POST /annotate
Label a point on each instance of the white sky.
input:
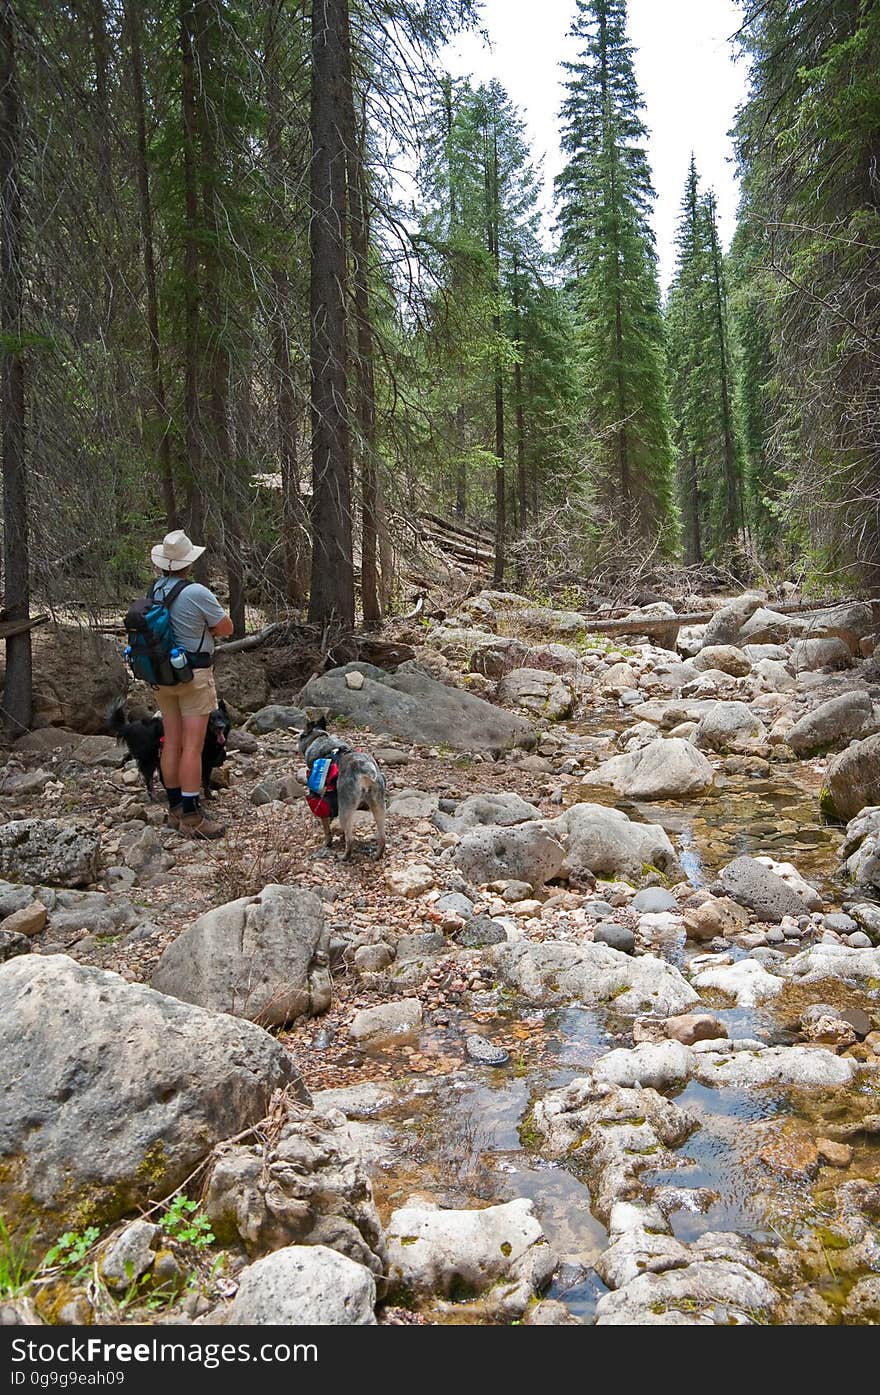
(686, 71)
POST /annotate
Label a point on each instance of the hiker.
(197, 618)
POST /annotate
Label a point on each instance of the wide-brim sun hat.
(174, 552)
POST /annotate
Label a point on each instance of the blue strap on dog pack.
(318, 773)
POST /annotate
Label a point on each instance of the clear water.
(462, 1137)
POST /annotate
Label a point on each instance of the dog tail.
(117, 718)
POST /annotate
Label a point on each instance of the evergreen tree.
(607, 246)
(808, 141)
(706, 436)
(479, 227)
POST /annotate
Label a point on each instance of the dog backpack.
(322, 798)
(151, 638)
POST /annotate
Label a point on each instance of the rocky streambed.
(598, 1042)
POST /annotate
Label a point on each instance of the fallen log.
(460, 528)
(8, 628)
(460, 551)
(236, 646)
(648, 625)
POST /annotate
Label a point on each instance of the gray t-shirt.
(194, 610)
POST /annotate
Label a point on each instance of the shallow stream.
(463, 1139)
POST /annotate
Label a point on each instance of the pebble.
(599, 909)
(615, 936)
(858, 940)
(842, 924)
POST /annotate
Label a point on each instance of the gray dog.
(358, 783)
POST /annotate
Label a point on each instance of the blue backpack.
(151, 638)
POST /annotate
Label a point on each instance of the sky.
(687, 73)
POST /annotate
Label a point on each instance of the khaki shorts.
(195, 699)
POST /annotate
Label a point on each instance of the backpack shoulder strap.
(171, 596)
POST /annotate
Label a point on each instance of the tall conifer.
(608, 247)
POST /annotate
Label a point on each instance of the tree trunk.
(521, 486)
(18, 695)
(293, 518)
(366, 401)
(191, 290)
(461, 464)
(693, 547)
(163, 420)
(731, 481)
(332, 581)
(359, 235)
(492, 229)
(386, 555)
(224, 475)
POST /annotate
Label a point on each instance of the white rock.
(304, 1285)
(746, 981)
(412, 880)
(434, 1251)
(401, 1017)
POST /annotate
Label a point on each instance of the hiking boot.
(173, 816)
(198, 825)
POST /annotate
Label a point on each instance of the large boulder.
(544, 622)
(604, 841)
(730, 727)
(305, 1184)
(304, 1286)
(727, 622)
(78, 673)
(706, 1292)
(595, 975)
(115, 1093)
(526, 852)
(539, 691)
(749, 883)
(769, 627)
(832, 724)
(262, 957)
(480, 810)
(850, 622)
(241, 680)
(772, 676)
(819, 962)
(861, 848)
(726, 657)
(664, 769)
(808, 654)
(276, 718)
(433, 1251)
(46, 850)
(462, 643)
(852, 779)
(664, 638)
(413, 707)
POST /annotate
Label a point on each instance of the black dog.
(143, 740)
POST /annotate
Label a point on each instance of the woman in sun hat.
(197, 617)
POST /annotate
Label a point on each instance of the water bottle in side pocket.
(181, 666)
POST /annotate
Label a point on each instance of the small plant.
(17, 1267)
(183, 1220)
(70, 1250)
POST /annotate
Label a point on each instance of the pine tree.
(808, 143)
(18, 696)
(480, 225)
(708, 451)
(607, 246)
